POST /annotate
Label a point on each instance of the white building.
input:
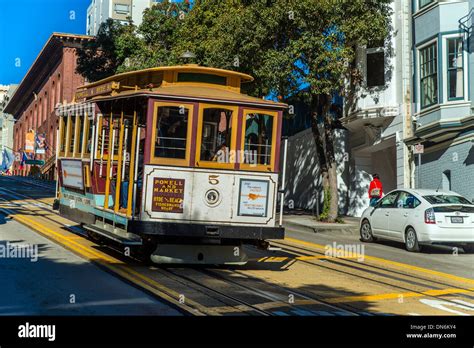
(101, 10)
(6, 120)
(380, 118)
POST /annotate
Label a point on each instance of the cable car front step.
(117, 235)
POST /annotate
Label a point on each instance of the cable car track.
(421, 293)
(238, 302)
(199, 286)
(309, 252)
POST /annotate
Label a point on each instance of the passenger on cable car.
(222, 154)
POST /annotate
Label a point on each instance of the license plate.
(457, 219)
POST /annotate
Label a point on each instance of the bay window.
(428, 76)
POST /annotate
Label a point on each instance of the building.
(377, 119)
(6, 120)
(378, 115)
(52, 79)
(443, 94)
(100, 10)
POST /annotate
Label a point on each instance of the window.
(375, 64)
(388, 201)
(407, 201)
(79, 135)
(122, 8)
(216, 135)
(202, 78)
(446, 199)
(428, 76)
(72, 130)
(423, 3)
(171, 132)
(62, 135)
(53, 97)
(258, 138)
(446, 180)
(89, 130)
(455, 69)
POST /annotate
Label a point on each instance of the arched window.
(58, 91)
(35, 114)
(446, 180)
(40, 110)
(53, 96)
(45, 111)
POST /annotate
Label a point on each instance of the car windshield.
(446, 199)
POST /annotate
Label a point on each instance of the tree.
(100, 57)
(158, 36)
(292, 47)
(303, 48)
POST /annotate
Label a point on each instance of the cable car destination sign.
(168, 195)
(90, 92)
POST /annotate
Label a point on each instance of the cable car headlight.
(212, 197)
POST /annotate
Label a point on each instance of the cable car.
(173, 164)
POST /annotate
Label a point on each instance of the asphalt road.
(437, 258)
(389, 281)
(60, 283)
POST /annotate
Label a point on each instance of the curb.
(344, 229)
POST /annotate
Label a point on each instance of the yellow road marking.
(389, 262)
(118, 268)
(303, 258)
(390, 296)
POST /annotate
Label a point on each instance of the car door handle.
(387, 214)
(405, 215)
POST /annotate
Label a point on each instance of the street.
(300, 276)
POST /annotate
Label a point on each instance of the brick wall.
(459, 159)
(40, 115)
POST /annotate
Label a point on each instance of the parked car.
(419, 217)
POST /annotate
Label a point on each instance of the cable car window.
(80, 135)
(258, 138)
(216, 134)
(202, 78)
(62, 134)
(89, 128)
(171, 132)
(103, 137)
(72, 134)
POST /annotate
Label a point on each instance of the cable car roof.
(195, 93)
(182, 82)
(176, 68)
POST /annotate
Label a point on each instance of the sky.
(26, 25)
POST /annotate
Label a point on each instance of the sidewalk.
(47, 184)
(308, 223)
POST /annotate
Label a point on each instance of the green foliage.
(284, 44)
(99, 58)
(157, 37)
(326, 205)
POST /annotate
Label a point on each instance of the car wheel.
(366, 232)
(469, 248)
(411, 240)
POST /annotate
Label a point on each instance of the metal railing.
(465, 23)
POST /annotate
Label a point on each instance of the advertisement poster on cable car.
(71, 171)
(168, 195)
(253, 198)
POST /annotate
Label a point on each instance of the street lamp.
(188, 56)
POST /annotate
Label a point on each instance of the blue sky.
(26, 25)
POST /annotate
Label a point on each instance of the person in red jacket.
(375, 190)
